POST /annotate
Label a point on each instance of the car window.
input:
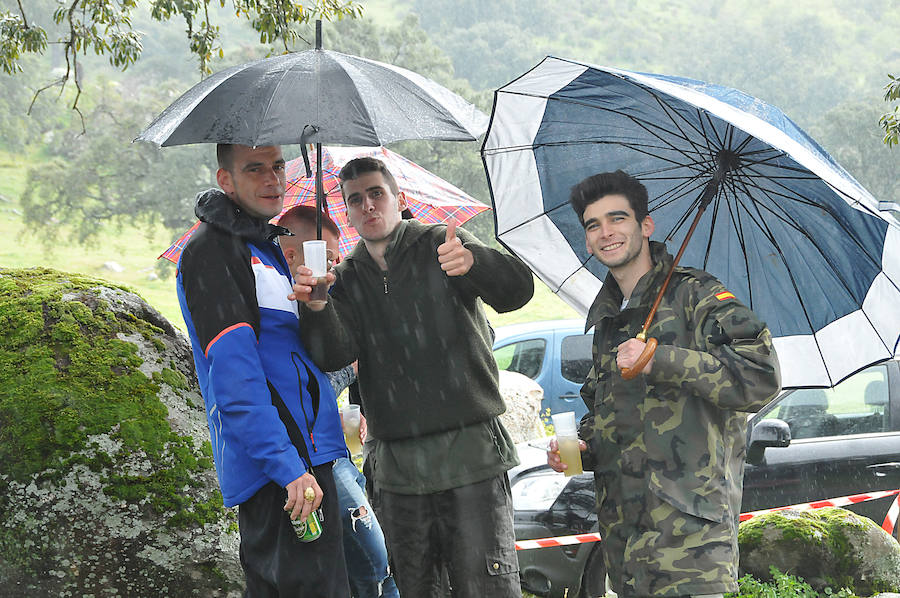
(858, 405)
(524, 357)
(576, 357)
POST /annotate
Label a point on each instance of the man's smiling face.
(612, 233)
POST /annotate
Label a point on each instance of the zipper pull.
(385, 284)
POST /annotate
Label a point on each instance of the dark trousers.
(276, 563)
(467, 531)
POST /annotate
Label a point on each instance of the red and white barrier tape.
(832, 502)
(557, 541)
(890, 521)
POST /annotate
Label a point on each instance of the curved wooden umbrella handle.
(644, 358)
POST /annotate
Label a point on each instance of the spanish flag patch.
(724, 295)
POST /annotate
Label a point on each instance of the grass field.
(136, 252)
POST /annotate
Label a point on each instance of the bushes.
(783, 586)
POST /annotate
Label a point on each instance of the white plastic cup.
(567, 439)
(350, 421)
(315, 257)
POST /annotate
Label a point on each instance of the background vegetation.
(75, 194)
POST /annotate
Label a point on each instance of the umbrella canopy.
(788, 230)
(315, 96)
(431, 199)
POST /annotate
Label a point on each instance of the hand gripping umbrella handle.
(644, 358)
(708, 193)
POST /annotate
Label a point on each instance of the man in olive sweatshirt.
(406, 303)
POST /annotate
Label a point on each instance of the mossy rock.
(107, 485)
(827, 547)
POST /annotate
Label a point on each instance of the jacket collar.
(403, 236)
(609, 299)
(216, 209)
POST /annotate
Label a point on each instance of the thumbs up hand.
(454, 259)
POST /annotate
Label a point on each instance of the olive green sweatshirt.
(421, 337)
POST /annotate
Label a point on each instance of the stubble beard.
(633, 251)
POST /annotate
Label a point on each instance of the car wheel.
(593, 580)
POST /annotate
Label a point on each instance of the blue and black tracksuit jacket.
(263, 394)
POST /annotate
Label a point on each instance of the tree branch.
(24, 18)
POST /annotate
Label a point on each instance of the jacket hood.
(216, 209)
(609, 299)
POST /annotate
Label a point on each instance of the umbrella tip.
(318, 34)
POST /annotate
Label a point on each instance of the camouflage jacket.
(680, 431)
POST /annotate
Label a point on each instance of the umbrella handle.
(645, 356)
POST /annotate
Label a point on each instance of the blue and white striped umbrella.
(789, 231)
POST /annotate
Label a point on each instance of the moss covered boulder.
(107, 485)
(828, 547)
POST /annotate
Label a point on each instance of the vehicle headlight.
(538, 491)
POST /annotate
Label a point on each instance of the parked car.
(806, 445)
(556, 354)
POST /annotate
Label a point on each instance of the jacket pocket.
(501, 562)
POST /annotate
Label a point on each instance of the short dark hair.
(609, 183)
(359, 166)
(308, 214)
(225, 155)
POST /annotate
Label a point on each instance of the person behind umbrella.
(364, 549)
(407, 304)
(272, 415)
(667, 447)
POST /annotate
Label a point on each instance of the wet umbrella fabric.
(789, 232)
(315, 96)
(431, 199)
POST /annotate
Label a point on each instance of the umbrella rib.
(783, 216)
(674, 194)
(566, 279)
(791, 222)
(734, 212)
(686, 214)
(672, 113)
(837, 274)
(712, 232)
(799, 169)
(767, 232)
(673, 116)
(649, 127)
(703, 119)
(813, 177)
(637, 147)
(567, 100)
(533, 218)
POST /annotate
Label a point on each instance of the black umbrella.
(316, 96)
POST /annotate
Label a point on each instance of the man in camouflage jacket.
(667, 447)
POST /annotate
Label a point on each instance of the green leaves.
(17, 37)
(890, 121)
(105, 28)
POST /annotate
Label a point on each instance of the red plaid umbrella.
(431, 199)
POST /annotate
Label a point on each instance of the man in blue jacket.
(272, 415)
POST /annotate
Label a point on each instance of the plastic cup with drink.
(567, 438)
(315, 257)
(350, 421)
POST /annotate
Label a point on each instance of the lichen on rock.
(107, 485)
(827, 547)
